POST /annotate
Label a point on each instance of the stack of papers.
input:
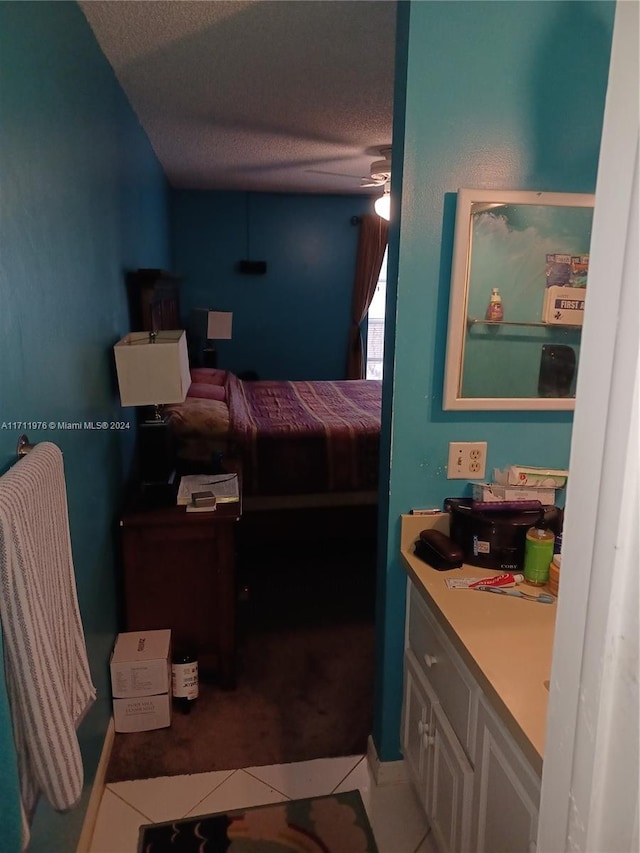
(223, 486)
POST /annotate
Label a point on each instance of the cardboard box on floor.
(141, 681)
(142, 714)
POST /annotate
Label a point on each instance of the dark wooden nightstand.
(179, 573)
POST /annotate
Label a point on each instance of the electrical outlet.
(467, 460)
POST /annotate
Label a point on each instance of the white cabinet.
(449, 797)
(417, 719)
(439, 768)
(507, 792)
(476, 788)
(443, 669)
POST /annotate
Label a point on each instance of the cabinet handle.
(430, 660)
(428, 740)
(421, 727)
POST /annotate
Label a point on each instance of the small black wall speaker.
(252, 267)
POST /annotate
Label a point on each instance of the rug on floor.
(336, 823)
(303, 693)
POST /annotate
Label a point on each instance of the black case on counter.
(438, 550)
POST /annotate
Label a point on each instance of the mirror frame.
(457, 325)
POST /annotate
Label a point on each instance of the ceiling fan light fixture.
(382, 205)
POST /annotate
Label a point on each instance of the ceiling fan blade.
(336, 174)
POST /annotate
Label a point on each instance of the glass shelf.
(474, 321)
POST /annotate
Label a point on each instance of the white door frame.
(589, 798)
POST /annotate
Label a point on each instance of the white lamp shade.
(382, 206)
(152, 374)
(219, 325)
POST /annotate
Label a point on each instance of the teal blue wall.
(495, 94)
(292, 322)
(82, 200)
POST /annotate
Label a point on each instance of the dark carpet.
(336, 823)
(305, 675)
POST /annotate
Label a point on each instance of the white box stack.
(521, 483)
(141, 681)
(494, 492)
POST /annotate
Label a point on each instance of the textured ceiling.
(258, 95)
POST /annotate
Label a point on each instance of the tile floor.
(396, 818)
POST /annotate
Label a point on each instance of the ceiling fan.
(379, 171)
(381, 177)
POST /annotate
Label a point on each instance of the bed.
(301, 443)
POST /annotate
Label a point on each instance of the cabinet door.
(451, 789)
(417, 718)
(507, 792)
(181, 576)
(444, 671)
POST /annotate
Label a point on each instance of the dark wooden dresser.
(154, 300)
(179, 573)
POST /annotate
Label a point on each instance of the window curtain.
(374, 234)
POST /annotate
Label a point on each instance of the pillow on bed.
(210, 375)
(205, 391)
(196, 416)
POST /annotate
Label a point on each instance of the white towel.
(47, 671)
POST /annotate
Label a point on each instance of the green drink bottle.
(538, 553)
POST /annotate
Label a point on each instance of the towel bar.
(24, 446)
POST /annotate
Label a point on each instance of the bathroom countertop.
(505, 641)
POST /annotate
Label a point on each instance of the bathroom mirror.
(518, 289)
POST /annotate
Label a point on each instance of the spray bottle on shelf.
(494, 308)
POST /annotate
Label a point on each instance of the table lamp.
(153, 370)
(205, 327)
(218, 329)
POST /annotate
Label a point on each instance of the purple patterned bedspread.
(306, 437)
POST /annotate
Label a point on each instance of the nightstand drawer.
(453, 684)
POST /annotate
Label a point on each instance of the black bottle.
(184, 679)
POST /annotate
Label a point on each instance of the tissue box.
(523, 475)
(492, 492)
